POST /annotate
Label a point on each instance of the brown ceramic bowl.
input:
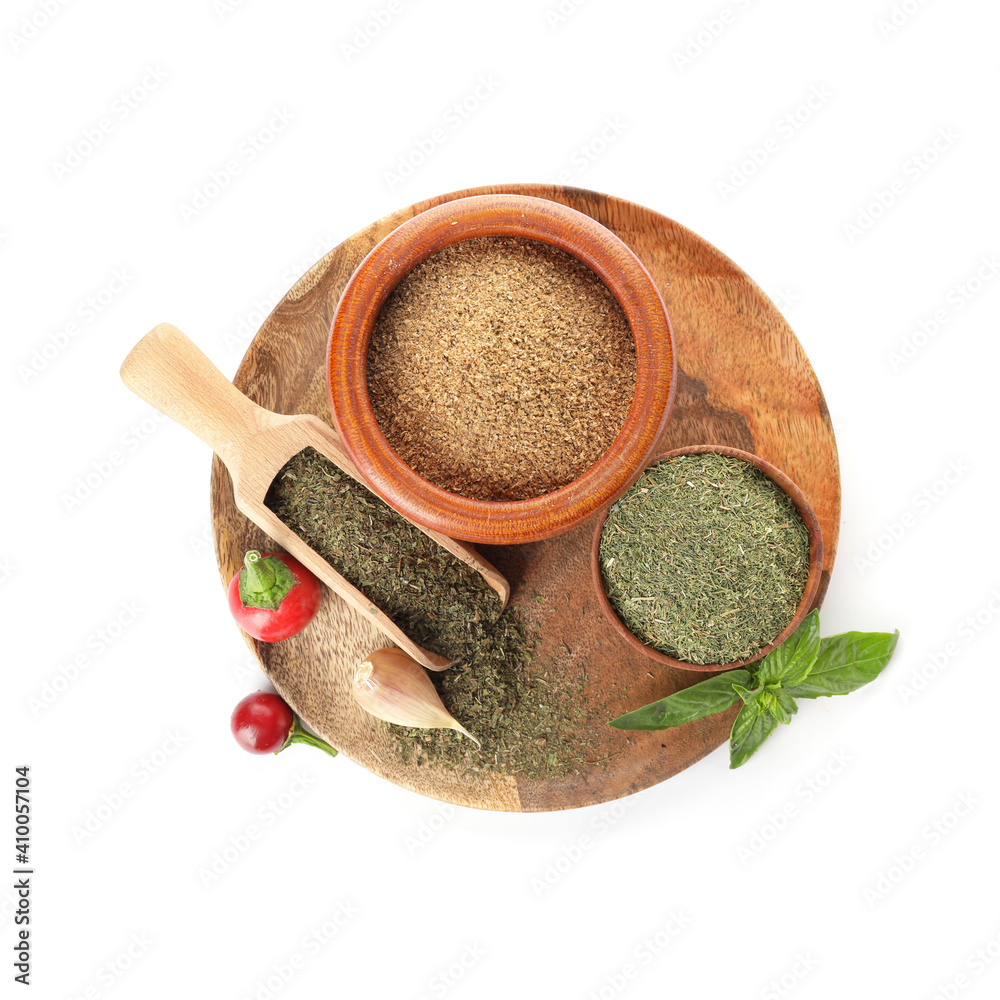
(506, 522)
(812, 581)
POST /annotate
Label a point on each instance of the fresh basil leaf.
(752, 726)
(746, 695)
(845, 663)
(744, 720)
(704, 698)
(783, 707)
(791, 662)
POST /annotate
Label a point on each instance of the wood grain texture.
(743, 381)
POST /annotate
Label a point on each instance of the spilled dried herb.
(705, 558)
(528, 716)
(532, 722)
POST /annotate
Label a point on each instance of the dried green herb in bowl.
(709, 560)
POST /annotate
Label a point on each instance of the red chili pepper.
(263, 723)
(274, 596)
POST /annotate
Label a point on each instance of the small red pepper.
(263, 723)
(274, 596)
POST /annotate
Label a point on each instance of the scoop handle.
(168, 371)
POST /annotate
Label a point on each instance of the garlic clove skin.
(395, 688)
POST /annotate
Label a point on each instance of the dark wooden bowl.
(506, 522)
(809, 595)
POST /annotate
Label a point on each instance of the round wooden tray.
(743, 381)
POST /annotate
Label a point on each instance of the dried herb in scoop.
(431, 595)
(531, 717)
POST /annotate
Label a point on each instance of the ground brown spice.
(501, 368)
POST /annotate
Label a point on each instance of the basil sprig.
(803, 666)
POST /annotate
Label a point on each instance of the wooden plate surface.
(743, 381)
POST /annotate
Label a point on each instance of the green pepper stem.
(299, 735)
(259, 575)
(264, 581)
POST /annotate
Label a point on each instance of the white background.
(880, 880)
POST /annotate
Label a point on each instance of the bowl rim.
(809, 594)
(487, 521)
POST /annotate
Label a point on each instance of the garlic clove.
(393, 687)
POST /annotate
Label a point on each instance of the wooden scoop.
(167, 370)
